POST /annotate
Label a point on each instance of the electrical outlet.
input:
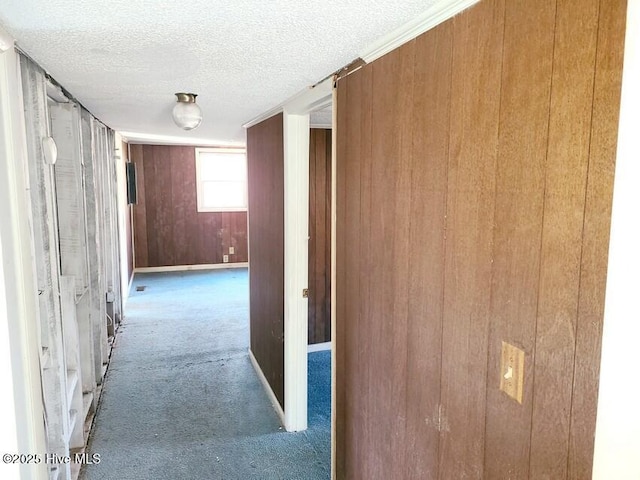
(232, 250)
(225, 258)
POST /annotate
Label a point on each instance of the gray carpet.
(181, 399)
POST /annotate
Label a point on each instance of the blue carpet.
(181, 400)
(319, 381)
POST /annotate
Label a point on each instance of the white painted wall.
(21, 414)
(617, 446)
(121, 189)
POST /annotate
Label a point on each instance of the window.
(221, 176)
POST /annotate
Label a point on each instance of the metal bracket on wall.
(305, 293)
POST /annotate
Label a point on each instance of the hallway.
(181, 399)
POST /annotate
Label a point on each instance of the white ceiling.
(124, 59)
(321, 118)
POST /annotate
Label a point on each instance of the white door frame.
(295, 112)
(296, 248)
(20, 365)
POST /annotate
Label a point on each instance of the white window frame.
(199, 183)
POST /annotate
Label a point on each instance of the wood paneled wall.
(475, 174)
(319, 235)
(265, 161)
(168, 229)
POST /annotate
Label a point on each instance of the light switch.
(512, 371)
(232, 250)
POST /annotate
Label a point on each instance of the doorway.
(320, 140)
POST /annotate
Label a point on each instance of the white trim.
(319, 347)
(131, 217)
(132, 246)
(267, 388)
(617, 441)
(437, 14)
(296, 271)
(299, 103)
(324, 126)
(19, 270)
(180, 268)
(136, 138)
(199, 181)
(121, 212)
(264, 116)
(316, 98)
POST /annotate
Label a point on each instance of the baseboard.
(180, 268)
(265, 383)
(319, 347)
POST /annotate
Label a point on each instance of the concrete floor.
(181, 399)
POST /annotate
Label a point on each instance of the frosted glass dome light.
(187, 113)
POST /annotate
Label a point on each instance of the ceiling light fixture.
(186, 113)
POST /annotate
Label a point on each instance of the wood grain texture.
(150, 177)
(318, 282)
(328, 149)
(432, 97)
(562, 234)
(265, 161)
(391, 141)
(597, 221)
(343, 462)
(141, 246)
(363, 102)
(475, 101)
(178, 232)
(380, 336)
(319, 236)
(501, 202)
(355, 401)
(168, 229)
(351, 204)
(312, 238)
(400, 135)
(162, 223)
(524, 118)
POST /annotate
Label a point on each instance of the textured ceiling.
(321, 118)
(124, 59)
